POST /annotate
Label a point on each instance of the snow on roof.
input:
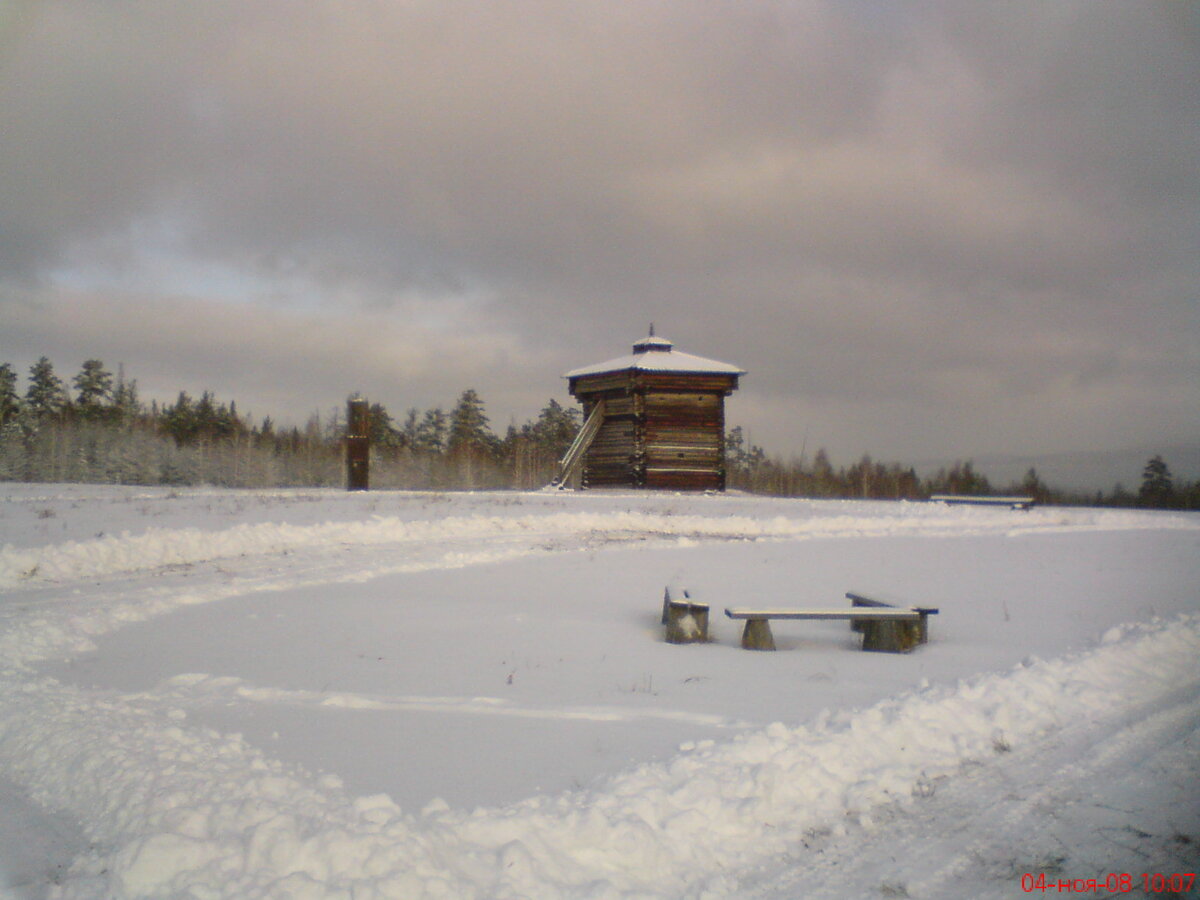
(656, 354)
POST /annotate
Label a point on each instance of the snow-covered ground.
(318, 694)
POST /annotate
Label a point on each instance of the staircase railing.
(574, 455)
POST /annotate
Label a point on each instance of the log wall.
(661, 430)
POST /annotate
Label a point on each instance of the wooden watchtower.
(653, 419)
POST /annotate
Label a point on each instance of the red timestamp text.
(1112, 883)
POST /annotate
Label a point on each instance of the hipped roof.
(656, 354)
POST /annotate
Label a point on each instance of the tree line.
(99, 430)
(750, 468)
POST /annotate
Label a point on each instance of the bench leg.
(891, 637)
(757, 635)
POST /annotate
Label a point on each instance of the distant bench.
(969, 500)
(884, 627)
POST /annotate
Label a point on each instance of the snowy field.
(315, 694)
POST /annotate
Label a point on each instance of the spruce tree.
(410, 430)
(431, 432)
(555, 428)
(469, 425)
(180, 421)
(94, 387)
(1157, 486)
(45, 395)
(125, 397)
(10, 401)
(471, 444)
(380, 430)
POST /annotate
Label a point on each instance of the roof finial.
(651, 329)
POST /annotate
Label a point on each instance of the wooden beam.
(893, 615)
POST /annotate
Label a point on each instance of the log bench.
(890, 630)
(861, 600)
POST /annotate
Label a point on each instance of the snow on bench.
(890, 629)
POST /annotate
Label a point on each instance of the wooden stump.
(757, 635)
(891, 637)
(687, 623)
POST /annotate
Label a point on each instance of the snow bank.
(178, 811)
(125, 553)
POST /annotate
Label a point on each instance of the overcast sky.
(926, 229)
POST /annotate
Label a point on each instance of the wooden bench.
(971, 500)
(889, 630)
(860, 600)
(685, 618)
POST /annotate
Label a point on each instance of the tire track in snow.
(204, 689)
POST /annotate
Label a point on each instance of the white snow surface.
(316, 694)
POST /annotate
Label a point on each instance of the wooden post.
(358, 444)
(891, 636)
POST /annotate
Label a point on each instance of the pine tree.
(824, 477)
(1157, 488)
(736, 461)
(10, 401)
(180, 420)
(410, 430)
(1034, 487)
(471, 445)
(431, 432)
(555, 428)
(380, 430)
(469, 430)
(45, 395)
(94, 387)
(125, 397)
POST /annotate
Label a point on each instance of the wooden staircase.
(574, 455)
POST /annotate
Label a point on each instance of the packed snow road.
(321, 694)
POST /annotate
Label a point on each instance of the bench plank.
(862, 600)
(885, 628)
(890, 614)
(968, 500)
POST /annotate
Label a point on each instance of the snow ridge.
(126, 553)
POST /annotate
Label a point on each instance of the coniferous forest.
(96, 429)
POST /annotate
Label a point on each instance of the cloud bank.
(926, 229)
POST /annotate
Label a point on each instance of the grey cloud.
(881, 210)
